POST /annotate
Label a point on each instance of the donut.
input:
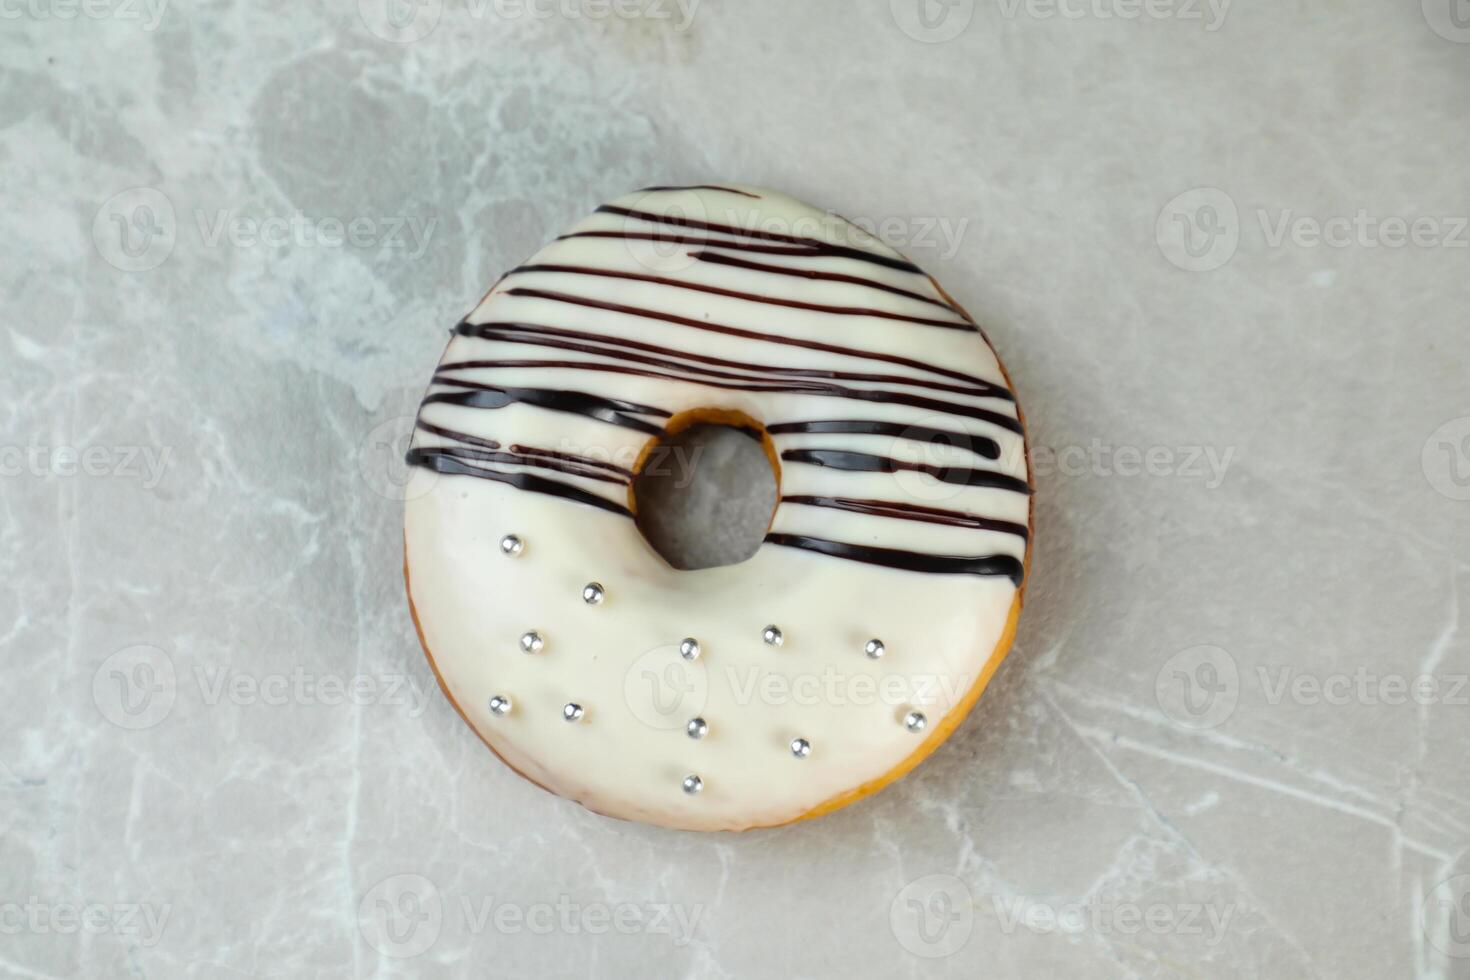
(883, 596)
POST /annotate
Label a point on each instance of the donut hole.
(705, 492)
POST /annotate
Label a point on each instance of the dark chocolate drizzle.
(605, 345)
(911, 561)
(710, 325)
(443, 460)
(609, 410)
(979, 445)
(699, 187)
(809, 247)
(867, 463)
(719, 258)
(740, 294)
(911, 512)
(480, 457)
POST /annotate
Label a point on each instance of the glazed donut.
(883, 596)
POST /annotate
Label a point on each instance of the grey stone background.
(1222, 250)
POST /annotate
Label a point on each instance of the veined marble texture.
(1221, 248)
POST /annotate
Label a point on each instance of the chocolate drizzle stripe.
(531, 454)
(867, 463)
(912, 561)
(718, 258)
(812, 246)
(979, 445)
(528, 459)
(605, 345)
(796, 387)
(739, 294)
(915, 381)
(700, 187)
(442, 461)
(608, 410)
(910, 512)
(635, 311)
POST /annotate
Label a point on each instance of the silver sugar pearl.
(531, 642)
(572, 712)
(693, 784)
(697, 728)
(801, 748)
(500, 705)
(593, 593)
(875, 649)
(773, 636)
(915, 721)
(511, 545)
(689, 648)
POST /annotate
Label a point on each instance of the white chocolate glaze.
(909, 527)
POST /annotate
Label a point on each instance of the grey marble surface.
(1221, 247)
